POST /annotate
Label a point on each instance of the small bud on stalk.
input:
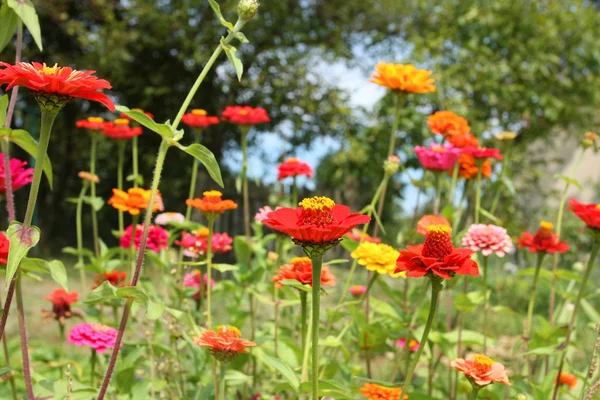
(247, 9)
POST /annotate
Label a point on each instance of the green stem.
(211, 225)
(478, 193)
(485, 302)
(303, 316)
(474, 393)
(134, 156)
(436, 287)
(438, 192)
(392, 145)
(134, 223)
(294, 192)
(304, 374)
(244, 176)
(451, 194)
(121, 159)
(79, 230)
(93, 150)
(93, 367)
(317, 264)
(532, 294)
(222, 381)
(371, 283)
(501, 179)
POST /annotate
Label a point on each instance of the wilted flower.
(378, 257)
(119, 129)
(212, 203)
(488, 239)
(357, 235)
(357, 290)
(61, 304)
(199, 281)
(91, 123)
(413, 345)
(427, 220)
(96, 336)
(158, 238)
(115, 278)
(437, 158)
(199, 118)
(245, 115)
(567, 379)
(166, 217)
(19, 175)
(134, 200)
(300, 269)
(403, 78)
(481, 370)
(372, 391)
(543, 240)
(86, 176)
(448, 123)
(224, 343)
(293, 167)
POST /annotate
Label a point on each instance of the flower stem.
(79, 229)
(485, 302)
(121, 160)
(244, 176)
(451, 194)
(303, 317)
(134, 224)
(93, 149)
(474, 393)
(478, 193)
(369, 286)
(294, 193)
(222, 380)
(24, 346)
(317, 264)
(438, 192)
(11, 377)
(92, 366)
(211, 225)
(134, 156)
(536, 275)
(501, 178)
(436, 287)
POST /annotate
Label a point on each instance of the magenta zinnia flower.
(193, 280)
(158, 238)
(436, 157)
(96, 336)
(488, 239)
(19, 175)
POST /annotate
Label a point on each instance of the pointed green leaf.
(26, 11)
(242, 38)
(235, 61)
(154, 310)
(3, 106)
(283, 368)
(7, 29)
(570, 181)
(25, 141)
(207, 158)
(21, 241)
(137, 293)
(95, 202)
(215, 6)
(490, 216)
(55, 269)
(141, 118)
(105, 291)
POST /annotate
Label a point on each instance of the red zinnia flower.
(91, 123)
(588, 213)
(61, 304)
(543, 240)
(120, 129)
(64, 82)
(300, 269)
(437, 256)
(318, 220)
(483, 152)
(4, 247)
(19, 175)
(245, 115)
(224, 343)
(115, 278)
(293, 167)
(199, 119)
(468, 169)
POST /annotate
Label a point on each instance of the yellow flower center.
(291, 160)
(439, 149)
(199, 111)
(50, 70)
(483, 363)
(121, 121)
(229, 330)
(213, 195)
(547, 226)
(99, 327)
(316, 211)
(243, 112)
(297, 261)
(95, 119)
(597, 206)
(202, 232)
(317, 203)
(196, 272)
(412, 343)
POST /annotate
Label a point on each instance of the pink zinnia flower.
(197, 244)
(96, 336)
(166, 217)
(357, 290)
(413, 345)
(193, 280)
(481, 370)
(437, 158)
(19, 175)
(488, 239)
(158, 238)
(262, 213)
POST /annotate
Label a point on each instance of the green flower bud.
(247, 9)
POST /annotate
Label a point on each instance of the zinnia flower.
(488, 239)
(378, 257)
(119, 129)
(212, 203)
(483, 152)
(463, 141)
(403, 78)
(158, 238)
(481, 370)
(293, 167)
(19, 175)
(317, 222)
(96, 336)
(427, 220)
(4, 248)
(196, 243)
(263, 212)
(166, 217)
(371, 391)
(224, 343)
(134, 200)
(300, 269)
(567, 379)
(588, 213)
(91, 123)
(54, 86)
(437, 256)
(448, 124)
(199, 119)
(86, 176)
(245, 115)
(543, 240)
(357, 235)
(199, 281)
(413, 345)
(61, 304)
(115, 278)
(437, 158)
(468, 169)
(357, 290)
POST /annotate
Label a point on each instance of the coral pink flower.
(196, 244)
(263, 213)
(427, 220)
(19, 175)
(588, 213)
(120, 129)
(194, 280)
(543, 240)
(481, 370)
(224, 343)
(199, 118)
(357, 290)
(245, 115)
(357, 235)
(96, 336)
(293, 167)
(488, 239)
(483, 152)
(91, 123)
(158, 238)
(4, 247)
(413, 345)
(437, 158)
(300, 269)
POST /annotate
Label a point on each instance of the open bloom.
(567, 379)
(427, 220)
(212, 203)
(437, 158)
(448, 124)
(403, 78)
(357, 290)
(263, 212)
(158, 238)
(588, 213)
(378, 257)
(54, 86)
(199, 281)
(468, 169)
(61, 304)
(300, 269)
(463, 141)
(199, 118)
(483, 152)
(488, 239)
(245, 115)
(318, 220)
(413, 345)
(96, 336)
(88, 177)
(437, 256)
(4, 248)
(372, 391)
(293, 167)
(166, 217)
(19, 174)
(224, 343)
(134, 200)
(358, 236)
(91, 123)
(481, 370)
(115, 278)
(543, 240)
(196, 243)
(119, 129)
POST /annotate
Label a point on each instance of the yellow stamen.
(197, 272)
(443, 229)
(483, 362)
(291, 159)
(229, 329)
(546, 225)
(243, 112)
(121, 121)
(439, 149)
(199, 111)
(95, 119)
(317, 203)
(50, 70)
(212, 193)
(299, 260)
(597, 206)
(202, 232)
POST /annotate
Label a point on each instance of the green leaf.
(26, 11)
(542, 351)
(490, 216)
(215, 6)
(242, 249)
(58, 272)
(135, 292)
(235, 61)
(3, 107)
(162, 129)
(383, 308)
(184, 318)
(508, 184)
(242, 38)
(7, 30)
(448, 212)
(25, 141)
(154, 310)
(21, 241)
(295, 284)
(95, 202)
(207, 158)
(590, 311)
(283, 368)
(327, 388)
(225, 267)
(236, 378)
(349, 244)
(132, 177)
(105, 291)
(569, 181)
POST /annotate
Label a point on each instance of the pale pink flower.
(166, 217)
(96, 336)
(488, 239)
(436, 157)
(19, 175)
(263, 212)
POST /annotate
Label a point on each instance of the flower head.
(378, 257)
(158, 238)
(246, 9)
(437, 158)
(293, 167)
(357, 290)
(544, 240)
(468, 169)
(448, 124)
(115, 278)
(54, 86)
(224, 343)
(391, 164)
(88, 177)
(427, 220)
(199, 118)
(488, 239)
(134, 200)
(212, 203)
(481, 370)
(19, 174)
(96, 336)
(61, 304)
(166, 217)
(505, 136)
(567, 379)
(4, 248)
(437, 256)
(119, 129)
(483, 152)
(413, 345)
(196, 244)
(91, 123)
(263, 212)
(372, 391)
(463, 141)
(245, 115)
(403, 78)
(196, 280)
(300, 269)
(358, 236)
(588, 213)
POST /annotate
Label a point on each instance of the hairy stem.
(211, 225)
(317, 264)
(79, 230)
(93, 150)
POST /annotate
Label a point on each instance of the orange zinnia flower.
(403, 78)
(567, 379)
(468, 168)
(212, 203)
(463, 141)
(427, 220)
(372, 391)
(481, 370)
(448, 124)
(300, 269)
(86, 176)
(134, 200)
(224, 343)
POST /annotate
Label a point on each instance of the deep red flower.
(120, 129)
(115, 278)
(588, 213)
(61, 304)
(245, 115)
(91, 123)
(543, 240)
(318, 220)
(483, 152)
(64, 82)
(4, 247)
(199, 118)
(293, 167)
(437, 256)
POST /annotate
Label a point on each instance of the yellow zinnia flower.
(378, 257)
(403, 78)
